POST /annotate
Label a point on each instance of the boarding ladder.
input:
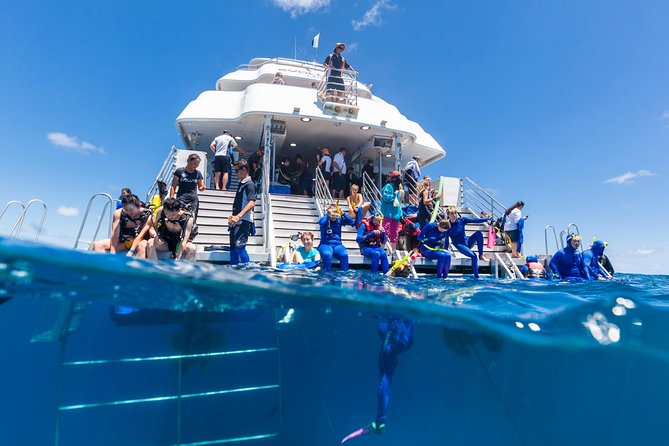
(15, 232)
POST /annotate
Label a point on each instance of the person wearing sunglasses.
(336, 64)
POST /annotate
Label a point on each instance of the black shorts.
(326, 176)
(338, 181)
(513, 235)
(335, 83)
(222, 163)
(191, 203)
(239, 234)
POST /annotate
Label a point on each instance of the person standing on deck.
(221, 146)
(186, 182)
(240, 223)
(336, 63)
(391, 207)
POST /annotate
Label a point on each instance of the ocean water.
(166, 354)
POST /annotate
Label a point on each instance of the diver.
(431, 238)
(568, 264)
(397, 335)
(371, 239)
(331, 245)
(592, 257)
(533, 269)
(463, 243)
(174, 231)
(130, 229)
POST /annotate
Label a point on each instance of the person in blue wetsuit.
(591, 258)
(568, 264)
(331, 245)
(371, 239)
(397, 335)
(430, 238)
(463, 243)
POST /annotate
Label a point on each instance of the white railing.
(349, 96)
(476, 198)
(164, 174)
(15, 232)
(281, 61)
(268, 242)
(321, 192)
(8, 205)
(370, 193)
(411, 196)
(558, 246)
(108, 208)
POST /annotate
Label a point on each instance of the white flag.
(314, 41)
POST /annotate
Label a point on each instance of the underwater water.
(109, 350)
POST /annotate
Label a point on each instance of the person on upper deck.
(568, 263)
(592, 256)
(284, 176)
(371, 239)
(186, 182)
(336, 63)
(463, 243)
(513, 223)
(330, 245)
(433, 240)
(222, 147)
(278, 79)
(391, 207)
(130, 229)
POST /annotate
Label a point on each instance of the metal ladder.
(15, 232)
(108, 208)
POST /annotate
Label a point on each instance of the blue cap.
(532, 259)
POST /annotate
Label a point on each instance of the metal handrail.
(109, 204)
(485, 201)
(322, 192)
(350, 79)
(370, 193)
(282, 61)
(16, 230)
(164, 174)
(411, 196)
(268, 222)
(10, 203)
(557, 245)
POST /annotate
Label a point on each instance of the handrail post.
(110, 203)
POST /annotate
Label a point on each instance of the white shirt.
(339, 159)
(325, 167)
(223, 143)
(511, 222)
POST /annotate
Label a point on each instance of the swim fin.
(374, 428)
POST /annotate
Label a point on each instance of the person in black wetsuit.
(397, 336)
(130, 229)
(186, 182)
(174, 231)
(240, 223)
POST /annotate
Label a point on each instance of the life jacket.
(127, 233)
(535, 270)
(369, 227)
(165, 234)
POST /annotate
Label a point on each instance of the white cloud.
(67, 211)
(629, 177)
(351, 47)
(373, 15)
(298, 7)
(72, 143)
(665, 116)
(643, 251)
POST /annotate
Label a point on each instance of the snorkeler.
(592, 256)
(533, 269)
(397, 335)
(331, 245)
(463, 243)
(431, 237)
(371, 239)
(130, 229)
(568, 264)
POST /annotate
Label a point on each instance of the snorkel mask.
(296, 237)
(337, 211)
(379, 215)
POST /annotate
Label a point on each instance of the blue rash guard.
(591, 258)
(464, 244)
(568, 264)
(430, 237)
(330, 245)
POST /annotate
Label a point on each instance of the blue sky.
(564, 105)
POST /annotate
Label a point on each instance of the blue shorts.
(239, 234)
